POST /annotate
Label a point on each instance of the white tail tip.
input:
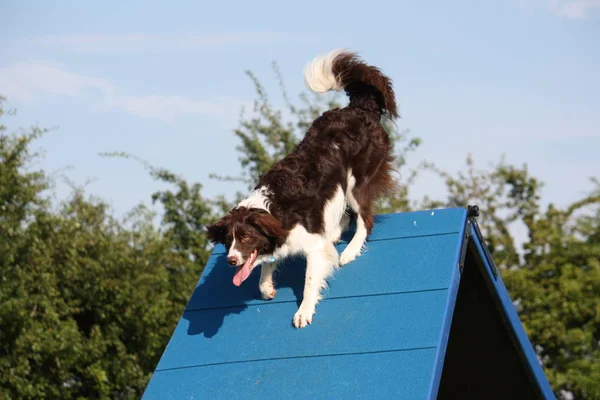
(318, 74)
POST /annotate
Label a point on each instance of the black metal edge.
(472, 214)
(465, 244)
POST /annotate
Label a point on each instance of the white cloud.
(23, 81)
(572, 8)
(146, 43)
(167, 108)
(28, 82)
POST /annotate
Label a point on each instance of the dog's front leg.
(320, 264)
(266, 285)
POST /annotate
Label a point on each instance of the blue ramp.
(423, 314)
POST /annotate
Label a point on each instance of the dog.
(305, 201)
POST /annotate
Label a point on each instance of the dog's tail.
(366, 86)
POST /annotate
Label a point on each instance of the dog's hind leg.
(355, 246)
(362, 199)
(266, 285)
(320, 265)
(333, 216)
(364, 223)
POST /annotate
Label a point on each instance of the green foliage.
(185, 213)
(558, 292)
(86, 304)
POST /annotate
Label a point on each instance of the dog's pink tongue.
(244, 271)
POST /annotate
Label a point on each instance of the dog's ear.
(217, 232)
(268, 225)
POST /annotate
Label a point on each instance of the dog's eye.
(245, 239)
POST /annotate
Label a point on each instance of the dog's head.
(247, 234)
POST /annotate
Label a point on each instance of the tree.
(557, 288)
(87, 302)
(185, 213)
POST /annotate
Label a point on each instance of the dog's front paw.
(268, 291)
(348, 255)
(303, 317)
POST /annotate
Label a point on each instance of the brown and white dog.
(299, 206)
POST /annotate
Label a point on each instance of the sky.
(165, 81)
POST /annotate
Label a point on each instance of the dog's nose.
(232, 260)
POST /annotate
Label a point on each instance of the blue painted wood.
(388, 266)
(418, 223)
(395, 375)
(388, 306)
(514, 323)
(341, 326)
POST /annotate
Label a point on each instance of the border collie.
(299, 206)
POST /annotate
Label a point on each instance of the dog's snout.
(232, 260)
